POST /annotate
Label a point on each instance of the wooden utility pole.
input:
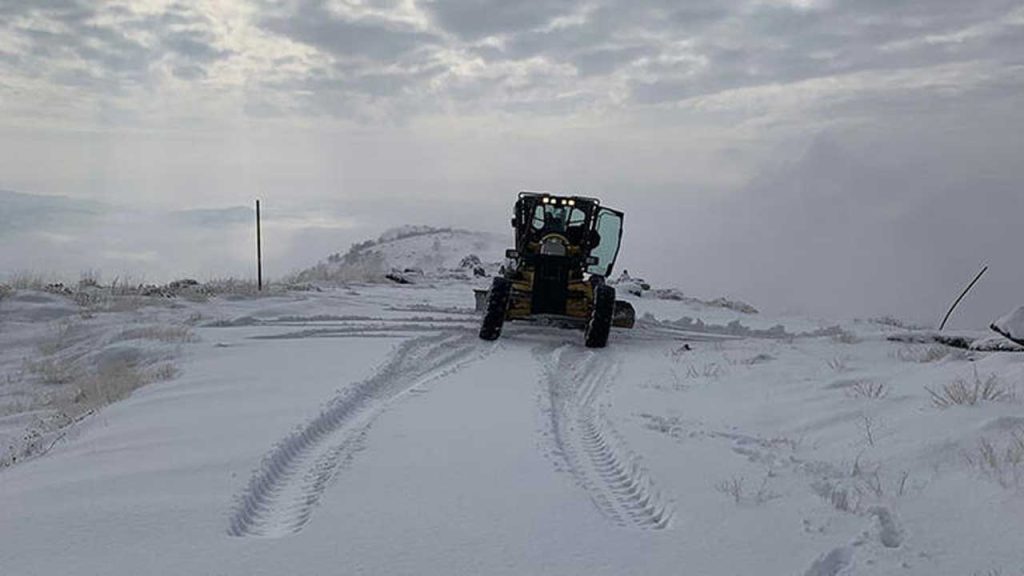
(259, 250)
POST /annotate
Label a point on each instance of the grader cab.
(565, 248)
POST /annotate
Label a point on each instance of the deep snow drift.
(365, 429)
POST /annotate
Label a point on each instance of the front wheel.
(600, 323)
(497, 306)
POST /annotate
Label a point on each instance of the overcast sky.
(846, 158)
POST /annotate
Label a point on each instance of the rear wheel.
(497, 306)
(600, 323)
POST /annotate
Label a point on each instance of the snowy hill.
(410, 251)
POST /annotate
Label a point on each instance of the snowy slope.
(366, 430)
(413, 251)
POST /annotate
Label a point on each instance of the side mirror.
(511, 254)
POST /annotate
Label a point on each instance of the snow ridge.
(586, 442)
(291, 479)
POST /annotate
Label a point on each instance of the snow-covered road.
(373, 433)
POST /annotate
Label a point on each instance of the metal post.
(259, 250)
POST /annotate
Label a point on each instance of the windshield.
(555, 218)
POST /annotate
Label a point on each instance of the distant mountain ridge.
(20, 211)
(24, 211)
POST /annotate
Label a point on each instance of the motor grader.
(565, 248)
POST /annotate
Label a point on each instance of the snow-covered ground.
(365, 429)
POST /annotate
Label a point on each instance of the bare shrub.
(5, 291)
(960, 392)
(837, 495)
(764, 494)
(840, 499)
(866, 389)
(1002, 462)
(871, 482)
(709, 370)
(865, 484)
(732, 487)
(867, 425)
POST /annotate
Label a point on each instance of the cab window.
(609, 227)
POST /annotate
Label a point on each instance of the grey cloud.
(196, 45)
(735, 43)
(476, 19)
(606, 60)
(781, 44)
(696, 14)
(189, 72)
(89, 51)
(724, 45)
(313, 24)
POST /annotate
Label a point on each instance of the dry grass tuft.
(24, 280)
(235, 287)
(866, 389)
(960, 392)
(116, 382)
(865, 484)
(1003, 462)
(839, 363)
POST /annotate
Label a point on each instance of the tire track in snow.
(289, 482)
(586, 443)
